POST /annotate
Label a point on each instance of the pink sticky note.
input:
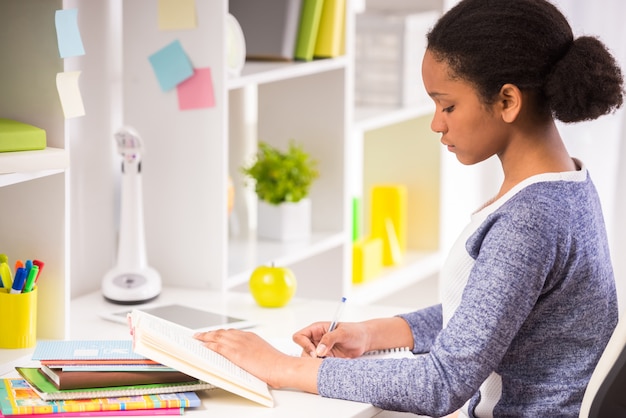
(197, 91)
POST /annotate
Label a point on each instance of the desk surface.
(277, 323)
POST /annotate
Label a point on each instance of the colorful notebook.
(80, 350)
(125, 413)
(48, 392)
(18, 398)
(18, 136)
(64, 380)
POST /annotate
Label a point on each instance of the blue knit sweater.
(528, 305)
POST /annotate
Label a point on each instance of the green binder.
(309, 26)
(18, 136)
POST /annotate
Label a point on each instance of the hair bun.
(585, 83)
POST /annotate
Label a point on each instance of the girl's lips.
(450, 147)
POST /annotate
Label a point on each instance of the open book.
(173, 345)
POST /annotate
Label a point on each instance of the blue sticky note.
(68, 35)
(171, 65)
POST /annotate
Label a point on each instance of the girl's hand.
(348, 340)
(248, 351)
(259, 358)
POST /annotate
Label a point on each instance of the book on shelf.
(270, 27)
(47, 391)
(19, 136)
(308, 29)
(85, 379)
(174, 345)
(17, 397)
(330, 37)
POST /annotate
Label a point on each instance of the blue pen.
(18, 281)
(335, 322)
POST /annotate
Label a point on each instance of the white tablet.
(193, 318)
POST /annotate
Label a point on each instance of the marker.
(338, 313)
(30, 280)
(28, 264)
(39, 264)
(5, 271)
(18, 264)
(18, 282)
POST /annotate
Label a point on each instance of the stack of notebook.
(97, 377)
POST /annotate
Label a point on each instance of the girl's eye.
(448, 109)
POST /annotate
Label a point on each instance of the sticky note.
(197, 91)
(69, 93)
(177, 14)
(171, 65)
(68, 35)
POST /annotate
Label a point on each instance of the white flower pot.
(284, 222)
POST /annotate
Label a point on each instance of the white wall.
(600, 143)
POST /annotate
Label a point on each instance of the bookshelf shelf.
(415, 267)
(245, 254)
(46, 159)
(260, 72)
(371, 117)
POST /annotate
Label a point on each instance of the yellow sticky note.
(177, 14)
(69, 93)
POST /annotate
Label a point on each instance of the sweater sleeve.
(503, 286)
(425, 325)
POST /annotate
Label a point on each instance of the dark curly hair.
(530, 44)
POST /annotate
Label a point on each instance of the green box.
(18, 136)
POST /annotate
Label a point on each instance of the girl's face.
(470, 129)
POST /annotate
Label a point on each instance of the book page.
(174, 345)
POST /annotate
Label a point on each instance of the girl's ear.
(510, 100)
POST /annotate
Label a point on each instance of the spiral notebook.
(287, 346)
(399, 352)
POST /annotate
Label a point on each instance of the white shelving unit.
(34, 213)
(192, 155)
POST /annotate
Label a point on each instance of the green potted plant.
(282, 181)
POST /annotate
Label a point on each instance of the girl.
(528, 300)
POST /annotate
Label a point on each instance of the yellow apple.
(271, 286)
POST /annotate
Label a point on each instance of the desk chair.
(605, 396)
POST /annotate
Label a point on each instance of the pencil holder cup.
(18, 314)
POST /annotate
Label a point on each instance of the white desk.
(280, 323)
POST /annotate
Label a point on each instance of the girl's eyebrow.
(435, 94)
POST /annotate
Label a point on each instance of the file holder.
(18, 319)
